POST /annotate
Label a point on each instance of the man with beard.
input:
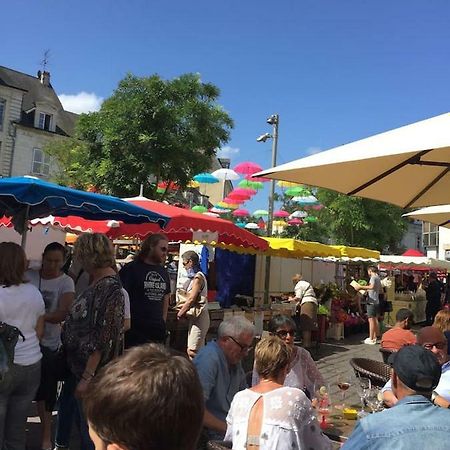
(148, 285)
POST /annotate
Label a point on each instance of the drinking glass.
(375, 399)
(363, 387)
(323, 405)
(343, 382)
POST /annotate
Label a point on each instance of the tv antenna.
(45, 59)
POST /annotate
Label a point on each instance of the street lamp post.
(274, 121)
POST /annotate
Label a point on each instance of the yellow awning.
(357, 252)
(292, 248)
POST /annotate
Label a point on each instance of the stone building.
(31, 115)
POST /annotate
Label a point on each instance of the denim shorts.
(373, 309)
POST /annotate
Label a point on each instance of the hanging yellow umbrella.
(286, 184)
(227, 205)
(193, 184)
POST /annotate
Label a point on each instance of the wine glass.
(343, 383)
(375, 399)
(323, 404)
(362, 387)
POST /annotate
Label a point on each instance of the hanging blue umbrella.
(26, 198)
(206, 178)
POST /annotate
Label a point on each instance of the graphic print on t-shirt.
(155, 287)
(49, 299)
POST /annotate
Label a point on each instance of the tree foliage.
(168, 130)
(352, 221)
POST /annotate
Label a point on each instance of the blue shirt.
(220, 381)
(414, 422)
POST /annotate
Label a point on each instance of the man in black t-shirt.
(433, 291)
(148, 284)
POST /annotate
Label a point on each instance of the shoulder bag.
(198, 306)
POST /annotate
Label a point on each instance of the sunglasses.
(438, 345)
(283, 333)
(244, 348)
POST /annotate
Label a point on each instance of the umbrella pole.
(25, 230)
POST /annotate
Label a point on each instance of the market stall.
(415, 268)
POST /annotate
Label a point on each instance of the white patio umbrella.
(407, 166)
(439, 215)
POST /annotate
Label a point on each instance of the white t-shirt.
(52, 290)
(305, 292)
(21, 306)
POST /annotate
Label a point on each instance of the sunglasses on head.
(284, 333)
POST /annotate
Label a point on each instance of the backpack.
(9, 335)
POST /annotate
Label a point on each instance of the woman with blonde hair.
(21, 306)
(442, 322)
(270, 415)
(93, 332)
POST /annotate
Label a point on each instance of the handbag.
(196, 309)
(9, 335)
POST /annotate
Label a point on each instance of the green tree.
(168, 130)
(352, 221)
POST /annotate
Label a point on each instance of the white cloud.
(228, 152)
(313, 150)
(82, 102)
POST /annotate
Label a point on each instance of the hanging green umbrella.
(260, 213)
(199, 208)
(249, 184)
(310, 219)
(296, 190)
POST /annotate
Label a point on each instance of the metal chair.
(378, 372)
(386, 352)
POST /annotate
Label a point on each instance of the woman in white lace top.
(304, 373)
(269, 415)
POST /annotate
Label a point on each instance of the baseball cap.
(416, 367)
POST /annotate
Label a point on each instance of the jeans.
(17, 391)
(70, 408)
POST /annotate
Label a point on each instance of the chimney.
(44, 77)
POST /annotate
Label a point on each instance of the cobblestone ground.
(332, 357)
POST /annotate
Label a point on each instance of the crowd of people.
(102, 333)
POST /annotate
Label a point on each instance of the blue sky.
(335, 70)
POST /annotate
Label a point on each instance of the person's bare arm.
(64, 304)
(40, 325)
(212, 422)
(440, 401)
(193, 294)
(126, 324)
(89, 372)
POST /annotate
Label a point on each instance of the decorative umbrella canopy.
(241, 191)
(235, 200)
(241, 197)
(299, 214)
(248, 168)
(218, 210)
(279, 223)
(295, 222)
(199, 209)
(225, 174)
(286, 184)
(240, 224)
(228, 205)
(193, 184)
(260, 213)
(257, 179)
(438, 215)
(407, 166)
(210, 214)
(252, 226)
(311, 219)
(206, 178)
(241, 213)
(26, 198)
(249, 184)
(249, 191)
(317, 207)
(296, 190)
(169, 185)
(280, 213)
(309, 200)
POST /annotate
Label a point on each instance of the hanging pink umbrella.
(250, 191)
(248, 168)
(280, 213)
(241, 213)
(317, 207)
(295, 221)
(241, 191)
(237, 196)
(260, 179)
(234, 201)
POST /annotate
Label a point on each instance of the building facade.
(31, 116)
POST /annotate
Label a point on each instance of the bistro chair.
(378, 372)
(386, 352)
(219, 445)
